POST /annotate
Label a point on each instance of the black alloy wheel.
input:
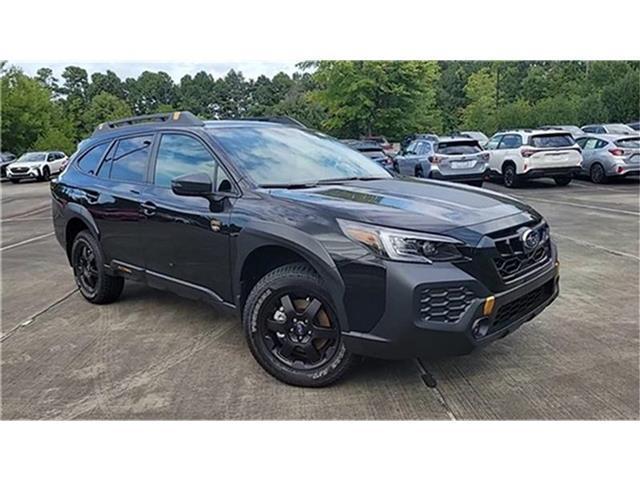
(85, 268)
(298, 332)
(292, 328)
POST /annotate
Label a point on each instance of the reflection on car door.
(187, 237)
(119, 184)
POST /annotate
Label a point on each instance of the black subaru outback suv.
(323, 254)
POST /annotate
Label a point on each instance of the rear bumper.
(624, 170)
(463, 177)
(551, 172)
(402, 333)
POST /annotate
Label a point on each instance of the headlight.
(403, 245)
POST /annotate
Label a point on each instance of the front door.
(187, 238)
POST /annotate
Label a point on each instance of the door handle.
(148, 208)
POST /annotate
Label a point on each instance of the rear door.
(120, 182)
(495, 161)
(187, 238)
(407, 161)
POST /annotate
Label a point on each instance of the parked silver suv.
(456, 159)
(607, 156)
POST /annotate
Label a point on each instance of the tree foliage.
(343, 98)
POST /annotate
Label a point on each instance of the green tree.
(150, 90)
(622, 98)
(107, 82)
(104, 107)
(376, 97)
(480, 113)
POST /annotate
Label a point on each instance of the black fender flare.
(257, 234)
(73, 211)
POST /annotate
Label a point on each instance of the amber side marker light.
(488, 305)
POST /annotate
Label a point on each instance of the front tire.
(419, 172)
(476, 183)
(94, 283)
(510, 177)
(46, 175)
(292, 328)
(13, 180)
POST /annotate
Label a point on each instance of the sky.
(176, 70)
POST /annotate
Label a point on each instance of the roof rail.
(284, 120)
(170, 118)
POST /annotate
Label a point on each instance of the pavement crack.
(33, 317)
(430, 381)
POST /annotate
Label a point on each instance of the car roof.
(536, 131)
(456, 139)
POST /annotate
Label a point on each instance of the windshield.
(619, 129)
(629, 143)
(281, 156)
(556, 140)
(32, 157)
(458, 148)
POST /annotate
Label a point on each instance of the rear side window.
(510, 141)
(129, 164)
(628, 143)
(557, 140)
(180, 155)
(89, 162)
(458, 148)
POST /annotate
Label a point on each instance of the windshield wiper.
(289, 185)
(330, 181)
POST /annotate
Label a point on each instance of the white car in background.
(522, 154)
(37, 166)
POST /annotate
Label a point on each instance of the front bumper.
(22, 175)
(403, 333)
(552, 172)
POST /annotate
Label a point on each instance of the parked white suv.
(520, 154)
(36, 165)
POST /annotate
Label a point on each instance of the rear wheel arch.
(74, 226)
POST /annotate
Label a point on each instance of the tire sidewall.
(595, 167)
(88, 239)
(512, 183)
(263, 292)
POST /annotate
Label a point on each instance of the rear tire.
(510, 177)
(87, 259)
(13, 180)
(597, 173)
(292, 328)
(562, 181)
(419, 172)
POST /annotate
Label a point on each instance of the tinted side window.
(129, 163)
(180, 155)
(551, 141)
(510, 141)
(89, 161)
(581, 142)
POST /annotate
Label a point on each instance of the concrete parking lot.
(153, 355)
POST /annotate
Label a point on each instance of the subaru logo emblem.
(530, 239)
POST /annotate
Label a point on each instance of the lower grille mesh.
(445, 304)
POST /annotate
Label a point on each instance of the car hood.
(413, 204)
(28, 163)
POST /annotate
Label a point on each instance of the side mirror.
(192, 185)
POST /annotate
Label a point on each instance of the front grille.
(19, 169)
(520, 307)
(514, 260)
(446, 304)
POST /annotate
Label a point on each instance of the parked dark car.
(635, 126)
(456, 159)
(382, 141)
(321, 252)
(372, 151)
(6, 159)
